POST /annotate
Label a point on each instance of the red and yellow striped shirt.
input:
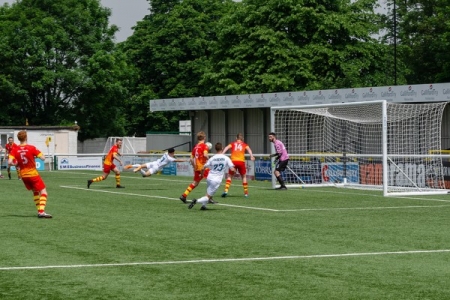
(200, 156)
(25, 155)
(238, 150)
(10, 147)
(109, 159)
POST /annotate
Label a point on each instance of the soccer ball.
(209, 145)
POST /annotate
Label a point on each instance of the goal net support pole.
(384, 147)
(369, 145)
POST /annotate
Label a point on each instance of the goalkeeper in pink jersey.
(282, 158)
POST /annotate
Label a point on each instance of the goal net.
(130, 145)
(368, 145)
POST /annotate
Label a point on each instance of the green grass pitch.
(141, 242)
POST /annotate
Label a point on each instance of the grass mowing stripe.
(424, 199)
(346, 192)
(218, 260)
(149, 248)
(265, 209)
(327, 189)
(187, 180)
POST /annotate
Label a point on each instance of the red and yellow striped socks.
(227, 185)
(42, 203)
(188, 190)
(245, 185)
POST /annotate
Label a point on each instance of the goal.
(368, 145)
(130, 145)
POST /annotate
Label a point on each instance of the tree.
(53, 55)
(170, 49)
(423, 39)
(271, 45)
(101, 105)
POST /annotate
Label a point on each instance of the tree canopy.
(58, 65)
(272, 46)
(59, 62)
(422, 33)
(171, 51)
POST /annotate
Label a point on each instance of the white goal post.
(395, 147)
(130, 144)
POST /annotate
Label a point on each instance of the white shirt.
(163, 160)
(218, 165)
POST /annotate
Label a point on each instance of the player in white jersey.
(157, 165)
(217, 165)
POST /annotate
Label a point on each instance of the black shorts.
(281, 165)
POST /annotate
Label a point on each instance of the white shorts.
(213, 185)
(152, 167)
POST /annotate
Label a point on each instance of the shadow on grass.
(19, 216)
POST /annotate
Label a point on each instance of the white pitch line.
(160, 197)
(219, 260)
(366, 208)
(118, 193)
(249, 207)
(261, 208)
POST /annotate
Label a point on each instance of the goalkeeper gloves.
(276, 155)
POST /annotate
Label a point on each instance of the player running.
(108, 165)
(238, 149)
(199, 157)
(23, 156)
(217, 165)
(1, 162)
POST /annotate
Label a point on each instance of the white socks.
(203, 200)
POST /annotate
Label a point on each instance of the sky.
(124, 13)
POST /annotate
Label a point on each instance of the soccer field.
(142, 242)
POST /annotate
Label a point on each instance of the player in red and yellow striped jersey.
(23, 157)
(108, 165)
(238, 149)
(1, 161)
(199, 157)
(8, 149)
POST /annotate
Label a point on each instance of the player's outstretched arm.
(180, 160)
